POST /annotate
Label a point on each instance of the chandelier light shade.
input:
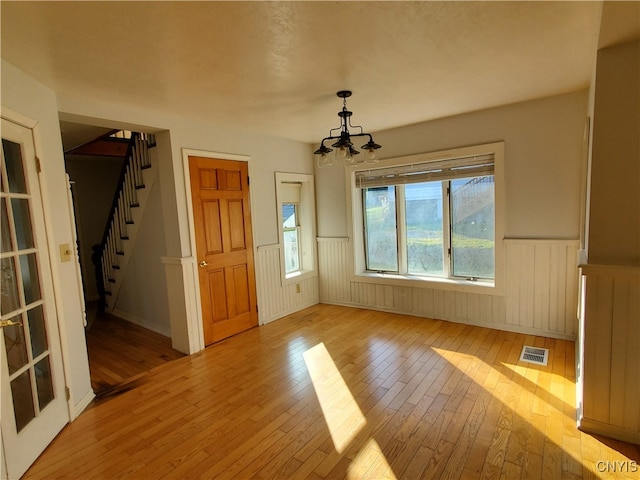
(344, 152)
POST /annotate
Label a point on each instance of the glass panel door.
(30, 356)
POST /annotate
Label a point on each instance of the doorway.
(128, 331)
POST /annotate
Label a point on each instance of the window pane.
(44, 385)
(472, 227)
(15, 345)
(291, 256)
(10, 300)
(6, 232)
(291, 237)
(423, 210)
(289, 215)
(13, 161)
(37, 331)
(380, 228)
(30, 281)
(22, 219)
(22, 400)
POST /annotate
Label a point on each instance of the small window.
(296, 224)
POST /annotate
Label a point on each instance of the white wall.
(24, 95)
(545, 153)
(142, 298)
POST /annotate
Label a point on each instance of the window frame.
(355, 220)
(306, 216)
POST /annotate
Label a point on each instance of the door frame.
(193, 303)
(52, 274)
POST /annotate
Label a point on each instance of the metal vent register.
(536, 355)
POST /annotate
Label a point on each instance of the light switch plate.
(65, 252)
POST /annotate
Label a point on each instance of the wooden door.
(224, 246)
(32, 385)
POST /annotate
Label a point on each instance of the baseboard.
(79, 407)
(279, 315)
(599, 428)
(140, 322)
(495, 326)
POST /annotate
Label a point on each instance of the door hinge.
(248, 180)
(67, 392)
(38, 166)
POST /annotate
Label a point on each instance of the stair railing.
(131, 179)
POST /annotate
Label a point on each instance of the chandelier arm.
(356, 126)
(334, 129)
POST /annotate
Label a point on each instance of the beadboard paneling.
(611, 363)
(276, 300)
(542, 285)
(334, 267)
(540, 295)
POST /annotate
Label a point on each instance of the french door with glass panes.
(34, 405)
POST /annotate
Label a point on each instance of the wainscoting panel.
(611, 363)
(541, 294)
(276, 300)
(334, 267)
(542, 285)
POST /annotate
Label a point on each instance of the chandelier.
(344, 151)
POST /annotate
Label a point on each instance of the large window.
(431, 219)
(296, 221)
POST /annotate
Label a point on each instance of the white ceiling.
(273, 67)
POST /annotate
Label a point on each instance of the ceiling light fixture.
(345, 153)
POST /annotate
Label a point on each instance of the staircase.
(114, 253)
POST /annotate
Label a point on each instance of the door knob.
(203, 264)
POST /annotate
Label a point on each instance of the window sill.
(486, 287)
(298, 276)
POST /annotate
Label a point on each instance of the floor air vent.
(536, 355)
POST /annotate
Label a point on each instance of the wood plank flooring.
(120, 352)
(336, 392)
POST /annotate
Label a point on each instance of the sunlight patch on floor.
(341, 412)
(370, 463)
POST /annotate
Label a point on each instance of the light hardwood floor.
(120, 351)
(335, 392)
